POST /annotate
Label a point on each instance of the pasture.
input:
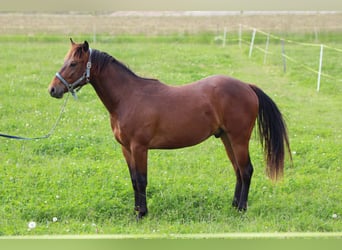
(77, 182)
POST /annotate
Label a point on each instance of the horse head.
(75, 71)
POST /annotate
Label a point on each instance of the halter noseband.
(71, 87)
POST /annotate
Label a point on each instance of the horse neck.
(114, 85)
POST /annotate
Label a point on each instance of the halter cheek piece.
(86, 76)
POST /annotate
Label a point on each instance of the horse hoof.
(141, 215)
(235, 203)
(242, 210)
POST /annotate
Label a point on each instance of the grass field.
(77, 182)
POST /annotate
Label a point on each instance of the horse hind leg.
(246, 173)
(239, 156)
(231, 156)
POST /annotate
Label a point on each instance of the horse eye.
(73, 64)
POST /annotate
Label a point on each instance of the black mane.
(102, 59)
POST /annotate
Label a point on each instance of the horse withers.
(147, 114)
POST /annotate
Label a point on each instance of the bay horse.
(147, 114)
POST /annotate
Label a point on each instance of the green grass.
(80, 177)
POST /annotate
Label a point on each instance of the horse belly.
(183, 131)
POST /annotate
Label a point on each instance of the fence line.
(332, 48)
(284, 56)
(290, 41)
(286, 40)
(295, 61)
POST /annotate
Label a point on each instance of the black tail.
(273, 134)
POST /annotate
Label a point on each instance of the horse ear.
(72, 42)
(85, 46)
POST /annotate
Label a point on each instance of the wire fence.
(319, 54)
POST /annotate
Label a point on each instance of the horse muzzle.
(56, 91)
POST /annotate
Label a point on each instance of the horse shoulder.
(134, 123)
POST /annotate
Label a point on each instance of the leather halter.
(86, 76)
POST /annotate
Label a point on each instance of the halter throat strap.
(86, 76)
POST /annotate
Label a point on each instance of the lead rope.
(44, 136)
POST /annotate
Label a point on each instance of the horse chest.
(123, 133)
(119, 134)
(117, 129)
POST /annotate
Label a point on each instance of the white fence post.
(266, 48)
(252, 44)
(224, 37)
(240, 35)
(320, 68)
(94, 33)
(283, 54)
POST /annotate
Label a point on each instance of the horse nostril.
(52, 91)
(55, 92)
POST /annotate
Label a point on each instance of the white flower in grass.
(32, 225)
(54, 219)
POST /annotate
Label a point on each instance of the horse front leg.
(139, 154)
(141, 195)
(132, 173)
(136, 159)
